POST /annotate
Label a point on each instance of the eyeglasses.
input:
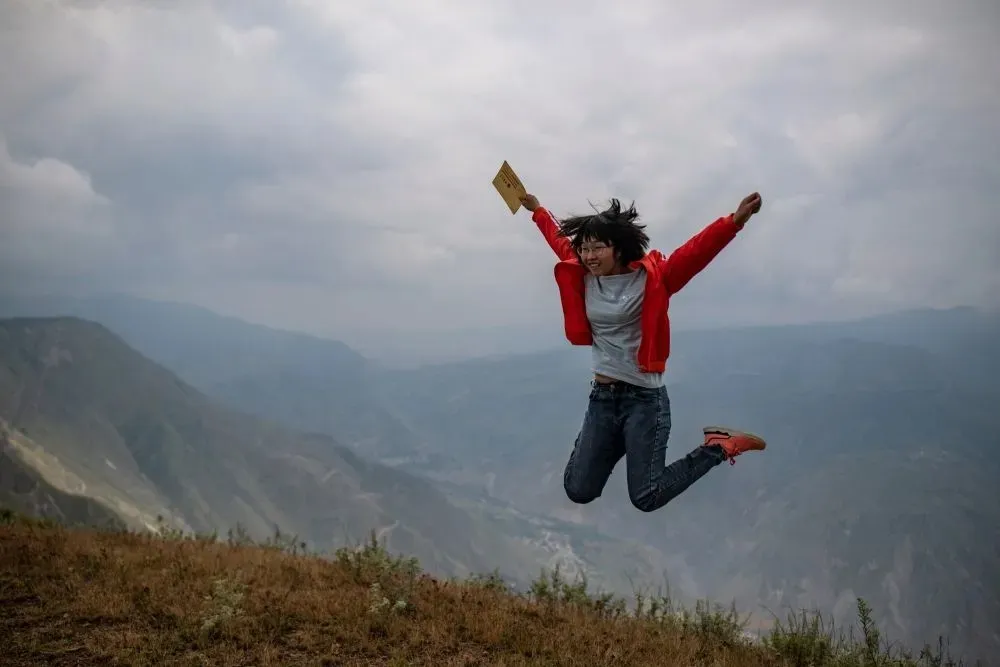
(596, 248)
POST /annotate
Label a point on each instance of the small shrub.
(391, 579)
(551, 588)
(804, 641)
(239, 537)
(223, 603)
(168, 532)
(290, 544)
(491, 581)
(713, 622)
(382, 604)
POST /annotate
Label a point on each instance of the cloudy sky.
(326, 166)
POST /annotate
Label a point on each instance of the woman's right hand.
(530, 202)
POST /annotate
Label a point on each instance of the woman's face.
(598, 257)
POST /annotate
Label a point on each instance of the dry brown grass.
(86, 597)
(74, 597)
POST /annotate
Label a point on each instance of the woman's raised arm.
(549, 227)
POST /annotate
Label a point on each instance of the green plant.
(223, 603)
(490, 581)
(390, 579)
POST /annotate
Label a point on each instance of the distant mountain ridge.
(146, 444)
(246, 364)
(96, 430)
(871, 424)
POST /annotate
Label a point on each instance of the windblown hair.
(613, 226)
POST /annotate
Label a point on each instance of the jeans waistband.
(620, 386)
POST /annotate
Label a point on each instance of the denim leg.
(646, 416)
(598, 448)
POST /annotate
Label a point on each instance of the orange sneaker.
(733, 442)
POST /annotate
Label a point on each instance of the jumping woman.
(614, 298)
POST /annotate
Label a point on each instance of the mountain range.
(95, 432)
(877, 480)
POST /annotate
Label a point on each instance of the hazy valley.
(878, 480)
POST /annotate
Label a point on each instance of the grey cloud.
(328, 165)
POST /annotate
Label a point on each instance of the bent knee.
(581, 496)
(644, 502)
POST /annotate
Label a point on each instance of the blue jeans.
(634, 422)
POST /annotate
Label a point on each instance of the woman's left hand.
(748, 207)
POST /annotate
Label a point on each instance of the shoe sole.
(725, 430)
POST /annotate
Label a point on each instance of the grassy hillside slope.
(95, 598)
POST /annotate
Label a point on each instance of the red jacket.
(665, 277)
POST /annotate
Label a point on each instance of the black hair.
(613, 226)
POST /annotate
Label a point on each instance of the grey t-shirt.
(614, 308)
